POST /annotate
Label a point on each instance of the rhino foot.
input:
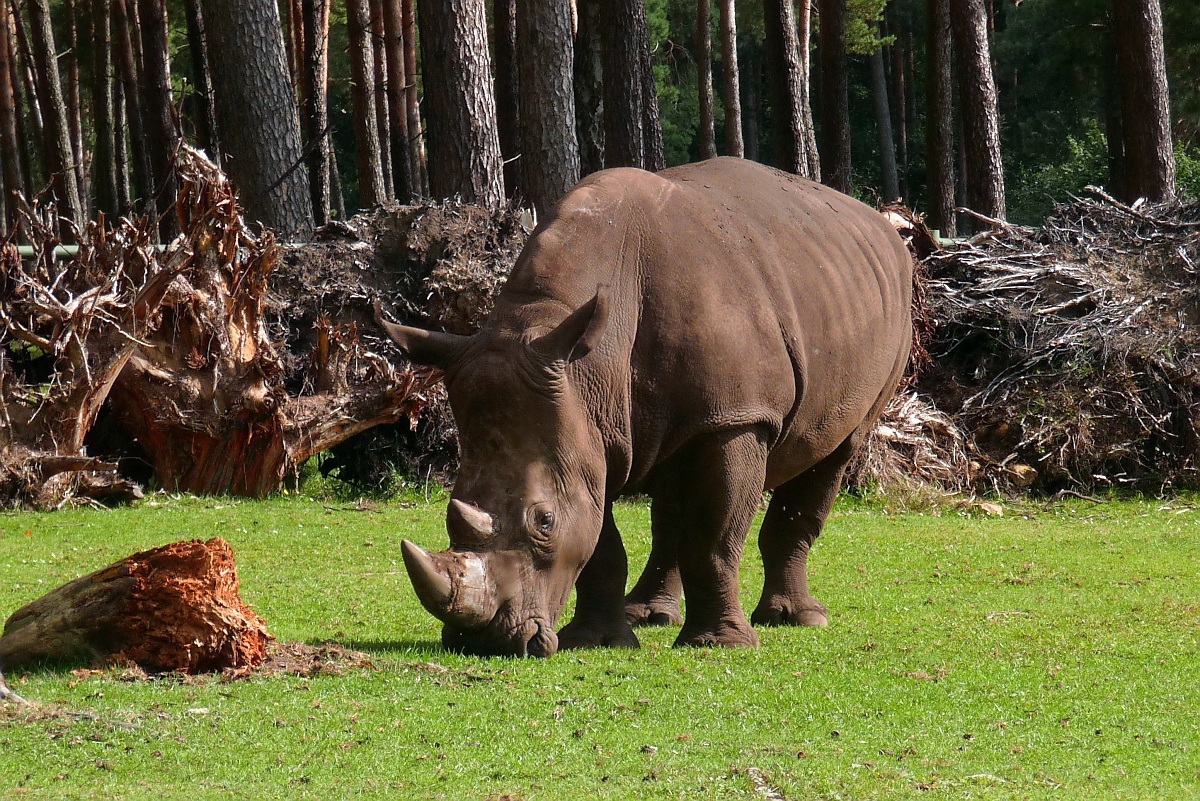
(782, 612)
(590, 634)
(653, 613)
(726, 635)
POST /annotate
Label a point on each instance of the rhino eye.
(544, 520)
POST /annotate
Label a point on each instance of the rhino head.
(528, 504)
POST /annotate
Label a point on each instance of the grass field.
(1050, 653)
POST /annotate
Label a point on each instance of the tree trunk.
(835, 97)
(980, 115)
(651, 121)
(393, 23)
(206, 122)
(545, 64)
(753, 90)
(256, 111)
(589, 88)
(899, 93)
(31, 124)
(10, 144)
(416, 136)
(806, 115)
(1145, 101)
(379, 83)
(939, 137)
(316, 105)
(159, 107)
(464, 145)
(121, 149)
(335, 185)
(143, 191)
(730, 88)
(74, 109)
(784, 77)
(1114, 130)
(104, 167)
(176, 607)
(883, 129)
(708, 137)
(371, 191)
(60, 161)
(623, 33)
(297, 48)
(508, 111)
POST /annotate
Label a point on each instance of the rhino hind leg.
(600, 604)
(722, 478)
(794, 520)
(654, 600)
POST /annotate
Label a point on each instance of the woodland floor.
(1051, 652)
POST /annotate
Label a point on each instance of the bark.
(416, 137)
(393, 23)
(900, 50)
(651, 121)
(703, 55)
(335, 186)
(206, 123)
(939, 155)
(623, 36)
(256, 111)
(31, 124)
(730, 88)
(545, 63)
(10, 144)
(508, 104)
(139, 150)
(1145, 101)
(371, 191)
(157, 103)
(784, 77)
(835, 97)
(59, 158)
(379, 83)
(883, 129)
(980, 115)
(175, 607)
(74, 106)
(810, 129)
(464, 145)
(316, 106)
(753, 90)
(104, 167)
(589, 89)
(121, 149)
(1114, 131)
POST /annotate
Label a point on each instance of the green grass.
(1051, 654)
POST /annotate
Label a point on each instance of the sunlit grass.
(1047, 654)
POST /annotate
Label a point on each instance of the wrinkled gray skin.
(698, 335)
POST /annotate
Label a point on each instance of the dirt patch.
(298, 659)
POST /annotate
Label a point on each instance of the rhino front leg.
(600, 596)
(722, 482)
(794, 520)
(654, 601)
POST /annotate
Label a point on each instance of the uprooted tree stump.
(171, 608)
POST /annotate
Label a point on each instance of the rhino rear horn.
(468, 519)
(576, 336)
(432, 348)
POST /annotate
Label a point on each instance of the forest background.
(1053, 63)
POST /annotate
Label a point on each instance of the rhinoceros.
(698, 335)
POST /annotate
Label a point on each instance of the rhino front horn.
(433, 585)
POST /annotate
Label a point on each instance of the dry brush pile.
(1065, 357)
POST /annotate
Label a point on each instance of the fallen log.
(171, 608)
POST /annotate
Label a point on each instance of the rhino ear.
(576, 336)
(432, 348)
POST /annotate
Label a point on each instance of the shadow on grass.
(387, 647)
